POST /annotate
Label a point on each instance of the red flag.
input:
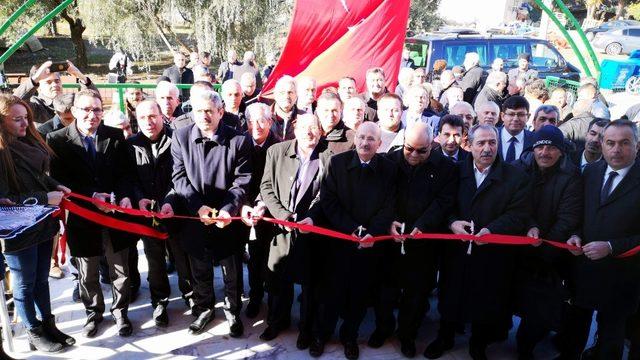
(330, 39)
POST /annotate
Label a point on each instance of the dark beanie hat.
(549, 135)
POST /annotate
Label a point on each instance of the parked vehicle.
(621, 74)
(425, 50)
(609, 25)
(617, 41)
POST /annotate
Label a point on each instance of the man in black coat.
(603, 281)
(290, 185)
(513, 138)
(152, 164)
(427, 186)
(492, 90)
(473, 78)
(476, 279)
(180, 74)
(259, 133)
(211, 171)
(591, 151)
(376, 80)
(284, 109)
(357, 197)
(91, 159)
(557, 212)
(62, 104)
(450, 138)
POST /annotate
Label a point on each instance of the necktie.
(607, 187)
(511, 152)
(91, 148)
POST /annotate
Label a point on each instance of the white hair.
(258, 110)
(353, 99)
(248, 56)
(496, 77)
(472, 58)
(115, 118)
(495, 106)
(208, 95)
(229, 83)
(284, 81)
(167, 87)
(465, 105)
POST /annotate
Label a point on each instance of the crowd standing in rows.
(458, 151)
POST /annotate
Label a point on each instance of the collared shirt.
(256, 144)
(480, 175)
(505, 137)
(584, 162)
(454, 156)
(616, 181)
(91, 136)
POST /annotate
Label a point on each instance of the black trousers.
(280, 302)
(154, 251)
(257, 266)
(203, 294)
(406, 281)
(611, 333)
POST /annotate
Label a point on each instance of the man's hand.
(64, 189)
(144, 204)
(205, 213)
(125, 203)
(577, 242)
(75, 72)
(305, 221)
(104, 197)
(596, 250)
(460, 227)
(483, 231)
(364, 244)
(396, 226)
(5, 201)
(166, 210)
(224, 219)
(534, 232)
(247, 215)
(42, 73)
(54, 197)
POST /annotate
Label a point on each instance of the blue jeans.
(30, 276)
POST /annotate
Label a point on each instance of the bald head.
(417, 143)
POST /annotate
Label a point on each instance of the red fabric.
(330, 39)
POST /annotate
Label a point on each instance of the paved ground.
(173, 342)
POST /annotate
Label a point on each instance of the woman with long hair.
(24, 167)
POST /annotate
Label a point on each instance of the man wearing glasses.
(91, 159)
(423, 204)
(513, 139)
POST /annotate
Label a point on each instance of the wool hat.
(549, 135)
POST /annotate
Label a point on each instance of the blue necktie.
(91, 149)
(606, 189)
(511, 152)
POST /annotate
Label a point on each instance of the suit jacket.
(177, 77)
(51, 125)
(258, 161)
(248, 68)
(278, 127)
(214, 172)
(152, 176)
(609, 283)
(477, 287)
(528, 143)
(472, 82)
(280, 173)
(108, 172)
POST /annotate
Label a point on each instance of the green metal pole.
(15, 16)
(121, 98)
(566, 36)
(35, 28)
(583, 37)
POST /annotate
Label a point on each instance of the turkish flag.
(330, 39)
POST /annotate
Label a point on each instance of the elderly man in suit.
(513, 138)
(476, 279)
(603, 281)
(211, 175)
(423, 204)
(290, 186)
(357, 197)
(92, 160)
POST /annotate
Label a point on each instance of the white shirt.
(505, 137)
(616, 181)
(454, 156)
(584, 162)
(480, 175)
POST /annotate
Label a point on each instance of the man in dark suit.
(424, 202)
(473, 78)
(591, 151)
(290, 185)
(450, 138)
(62, 104)
(357, 197)
(259, 123)
(557, 213)
(91, 158)
(337, 135)
(476, 279)
(179, 73)
(513, 139)
(211, 171)
(604, 282)
(376, 87)
(284, 108)
(150, 157)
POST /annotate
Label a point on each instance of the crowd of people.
(449, 151)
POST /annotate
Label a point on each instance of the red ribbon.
(147, 231)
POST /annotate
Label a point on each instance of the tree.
(423, 15)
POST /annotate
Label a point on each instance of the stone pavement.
(173, 342)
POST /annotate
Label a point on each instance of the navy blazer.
(214, 172)
(528, 142)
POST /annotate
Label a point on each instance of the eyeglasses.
(411, 149)
(520, 114)
(96, 111)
